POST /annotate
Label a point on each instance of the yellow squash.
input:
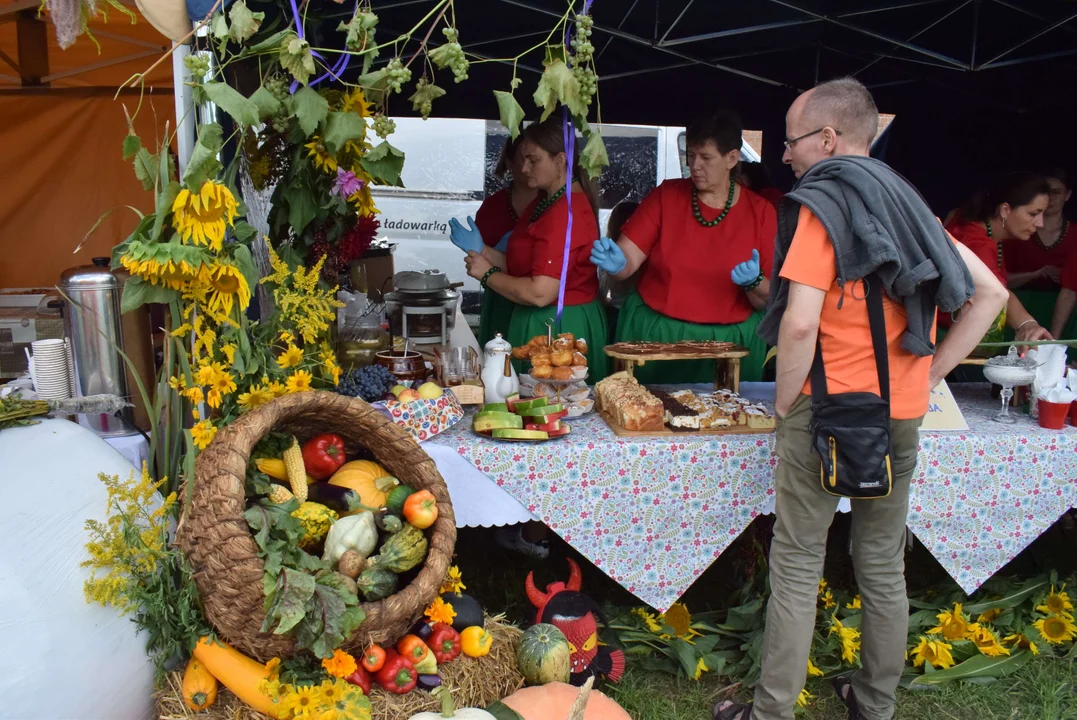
(238, 673)
(199, 686)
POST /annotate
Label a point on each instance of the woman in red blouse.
(1011, 210)
(529, 271)
(706, 247)
(1035, 268)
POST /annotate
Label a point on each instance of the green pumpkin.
(544, 655)
(376, 584)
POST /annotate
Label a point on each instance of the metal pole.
(670, 28)
(185, 121)
(975, 32)
(918, 34)
(1027, 41)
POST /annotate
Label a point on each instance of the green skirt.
(639, 323)
(495, 317)
(1040, 304)
(586, 322)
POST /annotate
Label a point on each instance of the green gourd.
(376, 584)
(396, 498)
(402, 551)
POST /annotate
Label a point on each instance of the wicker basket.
(219, 546)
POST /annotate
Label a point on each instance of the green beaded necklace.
(699, 213)
(991, 235)
(545, 204)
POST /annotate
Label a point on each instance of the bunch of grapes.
(383, 126)
(198, 65)
(583, 54)
(451, 55)
(369, 383)
(397, 74)
(277, 85)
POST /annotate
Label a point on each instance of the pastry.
(631, 405)
(581, 346)
(579, 359)
(567, 336)
(562, 358)
(521, 353)
(541, 358)
(562, 373)
(561, 344)
(539, 341)
(541, 372)
(677, 415)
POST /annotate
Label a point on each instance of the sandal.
(728, 710)
(843, 686)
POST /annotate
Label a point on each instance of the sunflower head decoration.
(1057, 603)
(200, 217)
(1056, 629)
(933, 650)
(952, 625)
(229, 289)
(320, 156)
(987, 642)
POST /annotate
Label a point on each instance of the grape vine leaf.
(423, 98)
(203, 163)
(131, 145)
(302, 208)
(244, 22)
(443, 55)
(145, 168)
(511, 112)
(594, 158)
(341, 127)
(558, 85)
(227, 98)
(267, 104)
(360, 36)
(311, 109)
(384, 163)
(296, 58)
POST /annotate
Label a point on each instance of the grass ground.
(1043, 690)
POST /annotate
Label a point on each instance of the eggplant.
(335, 497)
(429, 683)
(387, 522)
(422, 629)
(468, 611)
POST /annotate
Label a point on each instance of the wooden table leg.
(735, 362)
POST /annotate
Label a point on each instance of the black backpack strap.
(877, 322)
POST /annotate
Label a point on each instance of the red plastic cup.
(1053, 415)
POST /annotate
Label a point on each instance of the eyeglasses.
(790, 143)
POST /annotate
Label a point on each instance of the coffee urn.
(92, 323)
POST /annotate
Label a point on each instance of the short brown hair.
(847, 106)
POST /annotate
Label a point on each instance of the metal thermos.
(92, 323)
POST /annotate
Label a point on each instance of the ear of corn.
(297, 472)
(275, 469)
(280, 494)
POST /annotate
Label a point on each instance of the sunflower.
(332, 371)
(804, 698)
(952, 625)
(1023, 642)
(202, 434)
(356, 102)
(701, 667)
(987, 642)
(822, 585)
(194, 395)
(650, 619)
(849, 637)
(934, 651)
(330, 691)
(320, 155)
(229, 285)
(989, 616)
(277, 388)
(1056, 629)
(1057, 603)
(454, 581)
(813, 671)
(200, 217)
(257, 396)
(177, 382)
(301, 701)
(855, 604)
(828, 600)
(299, 381)
(290, 357)
(679, 620)
(440, 611)
(364, 202)
(341, 665)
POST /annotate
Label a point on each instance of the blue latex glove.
(503, 243)
(745, 273)
(608, 256)
(468, 240)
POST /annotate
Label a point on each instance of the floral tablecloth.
(654, 513)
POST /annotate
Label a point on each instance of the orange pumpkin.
(554, 701)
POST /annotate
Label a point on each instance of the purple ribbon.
(570, 151)
(336, 70)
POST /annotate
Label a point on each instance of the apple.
(407, 396)
(397, 389)
(430, 391)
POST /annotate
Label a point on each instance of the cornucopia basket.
(224, 557)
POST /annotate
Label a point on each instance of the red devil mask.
(539, 599)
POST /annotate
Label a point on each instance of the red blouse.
(538, 248)
(973, 235)
(1069, 272)
(496, 217)
(1023, 256)
(687, 273)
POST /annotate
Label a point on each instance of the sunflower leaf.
(311, 109)
(145, 167)
(594, 157)
(296, 58)
(340, 127)
(203, 163)
(1011, 600)
(976, 667)
(137, 293)
(267, 104)
(244, 23)
(227, 98)
(384, 163)
(511, 112)
(244, 231)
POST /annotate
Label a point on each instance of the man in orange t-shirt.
(839, 118)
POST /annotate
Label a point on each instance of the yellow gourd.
(363, 477)
(199, 686)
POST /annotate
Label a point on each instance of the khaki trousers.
(804, 512)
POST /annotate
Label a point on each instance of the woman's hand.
(1032, 332)
(745, 273)
(477, 265)
(468, 239)
(1051, 273)
(606, 254)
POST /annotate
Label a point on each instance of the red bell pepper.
(444, 642)
(361, 679)
(323, 455)
(398, 675)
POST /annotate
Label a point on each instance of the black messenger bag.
(851, 431)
